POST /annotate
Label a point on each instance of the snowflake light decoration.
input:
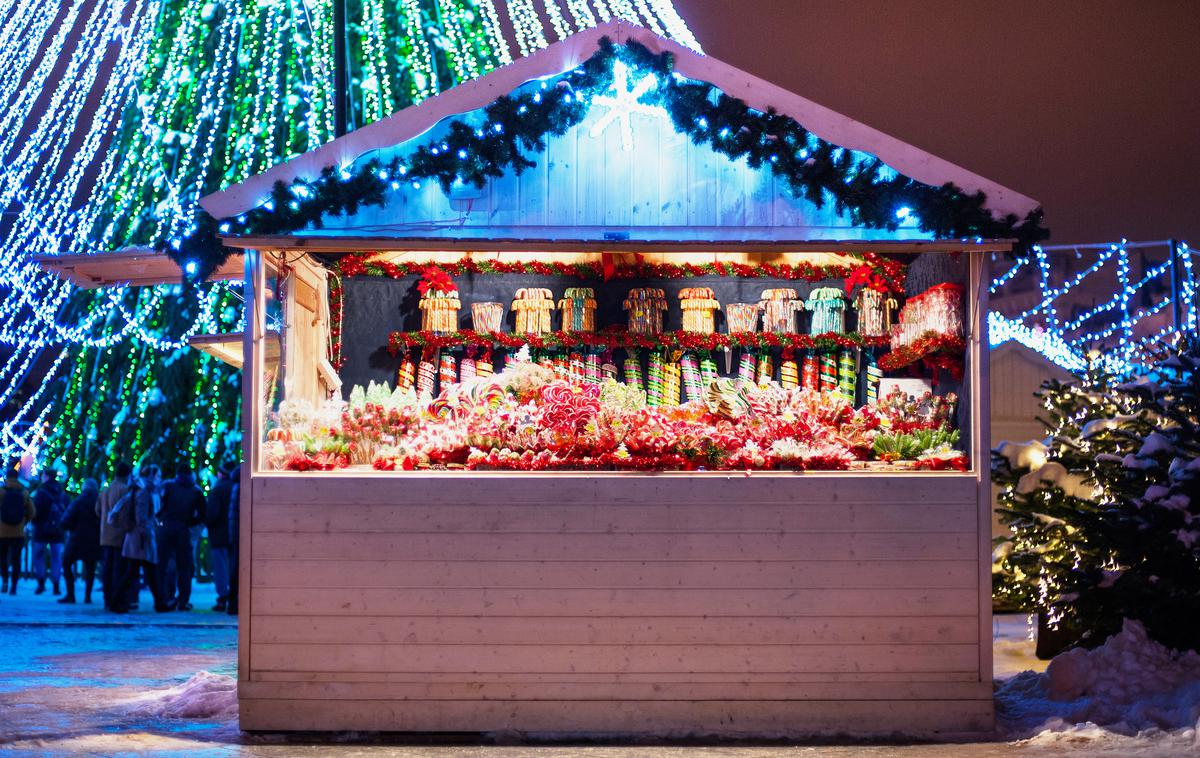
(624, 100)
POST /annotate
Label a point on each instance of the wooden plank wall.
(665, 186)
(697, 604)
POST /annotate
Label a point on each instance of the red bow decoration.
(867, 276)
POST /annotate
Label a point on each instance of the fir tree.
(1104, 514)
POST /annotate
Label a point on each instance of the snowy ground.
(77, 681)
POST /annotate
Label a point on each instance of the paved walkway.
(78, 681)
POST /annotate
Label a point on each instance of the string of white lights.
(527, 25)
(562, 29)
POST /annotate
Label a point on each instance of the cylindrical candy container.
(578, 306)
(779, 310)
(608, 369)
(575, 367)
(591, 368)
(741, 317)
(874, 312)
(633, 369)
(671, 380)
(828, 371)
(646, 307)
(708, 369)
(847, 375)
(408, 372)
(483, 366)
(690, 368)
(828, 306)
(766, 367)
(447, 371)
(654, 379)
(467, 367)
(534, 307)
(487, 317)
(699, 305)
(874, 377)
(811, 377)
(746, 367)
(426, 373)
(789, 373)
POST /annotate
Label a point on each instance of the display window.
(598, 362)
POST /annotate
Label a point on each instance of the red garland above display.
(936, 351)
(881, 272)
(611, 339)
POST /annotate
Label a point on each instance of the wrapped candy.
(575, 368)
(874, 312)
(692, 384)
(447, 371)
(671, 382)
(847, 375)
(633, 370)
(699, 305)
(654, 379)
(789, 373)
(534, 307)
(407, 374)
(608, 369)
(426, 374)
(591, 368)
(746, 367)
(483, 366)
(937, 310)
(708, 369)
(811, 378)
(766, 367)
(578, 306)
(827, 370)
(874, 377)
(741, 317)
(487, 317)
(779, 308)
(647, 306)
(828, 306)
(467, 369)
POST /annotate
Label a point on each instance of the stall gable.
(599, 181)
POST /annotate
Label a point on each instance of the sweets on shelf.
(875, 309)
(439, 311)
(647, 307)
(936, 311)
(534, 307)
(578, 306)
(699, 306)
(741, 317)
(487, 317)
(779, 308)
(828, 307)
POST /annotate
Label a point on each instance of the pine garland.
(516, 126)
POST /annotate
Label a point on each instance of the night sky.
(1093, 108)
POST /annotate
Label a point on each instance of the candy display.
(407, 374)
(742, 317)
(439, 310)
(487, 317)
(828, 306)
(534, 307)
(699, 306)
(647, 306)
(875, 310)
(627, 383)
(578, 306)
(779, 308)
(847, 375)
(936, 311)
(789, 372)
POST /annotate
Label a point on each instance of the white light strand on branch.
(561, 28)
(527, 25)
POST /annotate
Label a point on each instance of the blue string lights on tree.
(1113, 340)
(628, 79)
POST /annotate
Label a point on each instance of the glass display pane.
(595, 362)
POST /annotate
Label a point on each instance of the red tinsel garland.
(937, 351)
(611, 339)
(886, 272)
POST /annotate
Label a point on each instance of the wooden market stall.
(397, 581)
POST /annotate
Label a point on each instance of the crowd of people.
(138, 532)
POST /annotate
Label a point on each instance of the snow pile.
(1129, 685)
(205, 695)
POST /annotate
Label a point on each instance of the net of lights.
(177, 99)
(1067, 343)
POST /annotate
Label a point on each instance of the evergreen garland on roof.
(516, 125)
